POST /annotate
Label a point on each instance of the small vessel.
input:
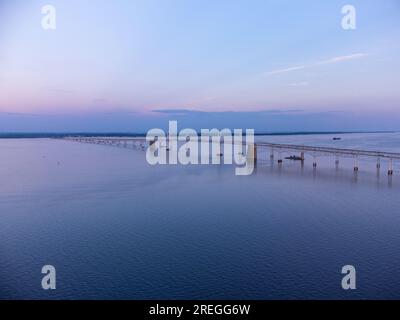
(296, 158)
(337, 138)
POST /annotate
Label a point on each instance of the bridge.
(337, 152)
(275, 149)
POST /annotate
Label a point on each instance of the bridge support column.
(314, 162)
(378, 163)
(390, 171)
(302, 156)
(280, 157)
(252, 152)
(356, 163)
(221, 145)
(271, 156)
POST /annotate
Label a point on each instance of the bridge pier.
(390, 171)
(280, 157)
(378, 163)
(314, 162)
(356, 163)
(252, 152)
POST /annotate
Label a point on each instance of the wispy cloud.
(181, 112)
(320, 63)
(176, 111)
(287, 70)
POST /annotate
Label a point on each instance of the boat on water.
(296, 158)
(337, 138)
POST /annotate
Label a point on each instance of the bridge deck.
(273, 146)
(329, 150)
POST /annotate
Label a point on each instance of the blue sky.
(274, 65)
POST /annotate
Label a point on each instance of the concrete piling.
(356, 163)
(390, 170)
(252, 152)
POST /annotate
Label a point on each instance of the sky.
(132, 65)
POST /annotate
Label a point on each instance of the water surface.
(116, 228)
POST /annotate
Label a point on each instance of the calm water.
(117, 228)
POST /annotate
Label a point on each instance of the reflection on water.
(115, 227)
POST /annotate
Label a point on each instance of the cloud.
(175, 111)
(286, 70)
(320, 63)
(182, 112)
(342, 58)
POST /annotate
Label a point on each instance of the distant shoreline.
(30, 135)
